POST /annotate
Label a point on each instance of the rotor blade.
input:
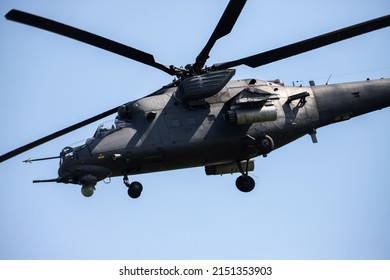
(309, 44)
(86, 37)
(224, 27)
(56, 135)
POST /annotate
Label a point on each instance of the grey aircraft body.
(205, 118)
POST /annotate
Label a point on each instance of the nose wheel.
(134, 188)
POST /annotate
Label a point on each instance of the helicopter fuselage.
(163, 132)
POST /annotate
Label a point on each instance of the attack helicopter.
(204, 117)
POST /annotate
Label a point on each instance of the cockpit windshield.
(72, 151)
(78, 144)
(104, 128)
(108, 127)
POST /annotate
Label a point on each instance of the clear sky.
(324, 201)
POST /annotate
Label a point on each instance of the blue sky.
(322, 201)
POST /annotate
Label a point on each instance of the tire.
(245, 183)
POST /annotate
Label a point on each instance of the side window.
(211, 118)
(191, 120)
(175, 123)
(184, 122)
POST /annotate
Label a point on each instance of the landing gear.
(134, 189)
(244, 183)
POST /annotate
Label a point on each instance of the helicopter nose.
(66, 177)
(74, 173)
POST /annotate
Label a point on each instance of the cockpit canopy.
(109, 126)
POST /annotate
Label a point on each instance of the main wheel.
(245, 183)
(135, 189)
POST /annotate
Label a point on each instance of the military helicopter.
(204, 118)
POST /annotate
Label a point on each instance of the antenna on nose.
(29, 160)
